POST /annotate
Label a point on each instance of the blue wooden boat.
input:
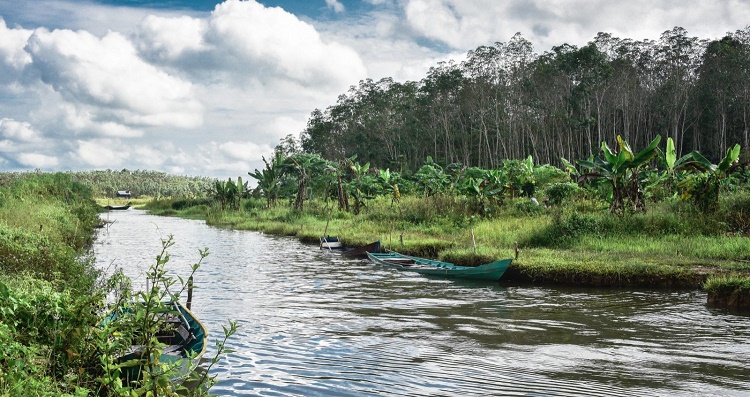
(490, 271)
(184, 340)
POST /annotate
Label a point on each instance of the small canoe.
(116, 207)
(184, 337)
(332, 244)
(490, 271)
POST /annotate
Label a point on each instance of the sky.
(208, 88)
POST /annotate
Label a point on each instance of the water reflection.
(313, 324)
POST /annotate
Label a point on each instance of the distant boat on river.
(116, 207)
(490, 271)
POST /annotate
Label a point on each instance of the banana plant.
(483, 189)
(269, 179)
(230, 193)
(304, 166)
(704, 184)
(622, 170)
(359, 171)
(388, 183)
(432, 178)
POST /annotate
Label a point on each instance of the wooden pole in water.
(473, 241)
(190, 293)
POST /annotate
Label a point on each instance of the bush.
(44, 335)
(736, 211)
(548, 174)
(527, 207)
(564, 229)
(559, 193)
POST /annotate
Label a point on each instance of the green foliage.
(702, 187)
(141, 316)
(546, 174)
(46, 223)
(560, 193)
(518, 176)
(106, 183)
(269, 179)
(229, 194)
(45, 334)
(431, 178)
(736, 212)
(728, 284)
(526, 207)
(622, 170)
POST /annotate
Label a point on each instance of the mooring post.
(190, 292)
(515, 248)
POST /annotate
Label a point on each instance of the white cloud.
(547, 23)
(167, 39)
(271, 43)
(244, 151)
(335, 5)
(13, 58)
(37, 160)
(101, 154)
(18, 131)
(106, 80)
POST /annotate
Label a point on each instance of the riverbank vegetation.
(623, 218)
(53, 298)
(104, 184)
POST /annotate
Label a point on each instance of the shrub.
(559, 193)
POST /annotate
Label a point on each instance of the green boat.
(490, 271)
(184, 338)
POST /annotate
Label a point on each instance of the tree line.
(106, 183)
(504, 101)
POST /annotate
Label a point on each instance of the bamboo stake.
(190, 293)
(473, 241)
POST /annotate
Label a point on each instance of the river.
(314, 324)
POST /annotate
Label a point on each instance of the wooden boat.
(332, 244)
(361, 252)
(184, 337)
(117, 207)
(490, 271)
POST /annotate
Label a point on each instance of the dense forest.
(507, 102)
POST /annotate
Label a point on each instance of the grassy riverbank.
(48, 291)
(672, 245)
(53, 299)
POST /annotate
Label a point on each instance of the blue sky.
(208, 88)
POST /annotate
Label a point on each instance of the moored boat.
(489, 271)
(183, 336)
(117, 207)
(332, 244)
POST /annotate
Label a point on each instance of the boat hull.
(182, 352)
(490, 271)
(332, 244)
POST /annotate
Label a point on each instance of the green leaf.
(732, 155)
(671, 154)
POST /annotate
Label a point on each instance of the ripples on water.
(313, 324)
